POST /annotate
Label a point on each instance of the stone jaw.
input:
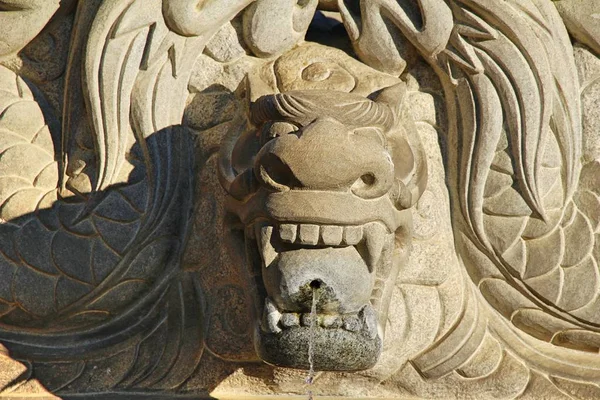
(355, 315)
(353, 346)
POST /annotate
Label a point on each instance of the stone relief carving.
(193, 198)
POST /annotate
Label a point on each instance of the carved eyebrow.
(305, 106)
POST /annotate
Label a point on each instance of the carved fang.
(271, 317)
(374, 236)
(266, 249)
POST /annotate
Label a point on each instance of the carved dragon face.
(321, 185)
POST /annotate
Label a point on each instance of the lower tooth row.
(273, 320)
(349, 322)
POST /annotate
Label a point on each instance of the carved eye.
(316, 72)
(276, 129)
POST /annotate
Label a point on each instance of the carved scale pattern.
(518, 172)
(518, 188)
(524, 207)
(97, 269)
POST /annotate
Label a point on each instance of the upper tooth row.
(331, 235)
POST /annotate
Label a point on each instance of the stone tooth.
(290, 320)
(332, 235)
(374, 234)
(266, 249)
(353, 235)
(306, 318)
(351, 323)
(271, 317)
(368, 319)
(309, 234)
(332, 321)
(288, 232)
(376, 295)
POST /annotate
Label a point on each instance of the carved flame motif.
(523, 229)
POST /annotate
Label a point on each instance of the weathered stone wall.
(247, 198)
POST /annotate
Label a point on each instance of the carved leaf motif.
(25, 21)
(526, 90)
(504, 368)
(526, 234)
(116, 47)
(512, 171)
(149, 66)
(378, 28)
(544, 257)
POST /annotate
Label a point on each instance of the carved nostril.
(368, 179)
(369, 186)
(276, 129)
(275, 174)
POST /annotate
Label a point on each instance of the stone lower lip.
(333, 349)
(353, 345)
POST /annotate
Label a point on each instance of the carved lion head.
(321, 184)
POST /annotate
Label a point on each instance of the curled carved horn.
(239, 136)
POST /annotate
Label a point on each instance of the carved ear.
(406, 148)
(417, 183)
(240, 145)
(243, 94)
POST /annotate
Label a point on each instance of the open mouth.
(343, 268)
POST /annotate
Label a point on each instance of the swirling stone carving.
(196, 196)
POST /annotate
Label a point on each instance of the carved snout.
(327, 156)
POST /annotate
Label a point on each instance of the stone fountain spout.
(326, 218)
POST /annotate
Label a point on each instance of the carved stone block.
(248, 198)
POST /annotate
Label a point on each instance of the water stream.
(311, 342)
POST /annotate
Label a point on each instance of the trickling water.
(311, 341)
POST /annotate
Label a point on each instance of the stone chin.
(343, 268)
(321, 185)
